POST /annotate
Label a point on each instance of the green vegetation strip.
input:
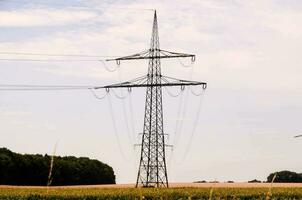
(150, 193)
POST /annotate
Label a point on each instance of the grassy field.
(100, 193)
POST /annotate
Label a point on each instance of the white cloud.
(43, 17)
(247, 51)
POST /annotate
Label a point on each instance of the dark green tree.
(17, 169)
(285, 177)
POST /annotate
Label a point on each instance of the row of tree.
(18, 169)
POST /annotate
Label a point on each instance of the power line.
(195, 123)
(45, 60)
(97, 96)
(54, 86)
(14, 87)
(55, 55)
(95, 8)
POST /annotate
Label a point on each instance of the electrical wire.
(171, 94)
(177, 125)
(49, 86)
(195, 123)
(46, 60)
(107, 68)
(181, 119)
(14, 87)
(120, 97)
(125, 112)
(180, 113)
(96, 96)
(196, 94)
(40, 89)
(54, 55)
(132, 115)
(185, 65)
(115, 128)
(81, 7)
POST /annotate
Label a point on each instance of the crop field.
(126, 193)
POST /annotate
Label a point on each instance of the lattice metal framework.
(152, 170)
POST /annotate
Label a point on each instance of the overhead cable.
(196, 94)
(115, 129)
(47, 60)
(54, 55)
(107, 68)
(185, 65)
(97, 96)
(195, 123)
(120, 96)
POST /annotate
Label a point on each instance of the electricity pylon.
(152, 170)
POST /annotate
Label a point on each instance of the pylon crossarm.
(171, 54)
(143, 82)
(149, 54)
(150, 85)
(171, 80)
(140, 55)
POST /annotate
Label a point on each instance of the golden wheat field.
(177, 191)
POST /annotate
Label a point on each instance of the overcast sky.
(249, 53)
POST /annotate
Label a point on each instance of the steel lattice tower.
(152, 170)
(152, 167)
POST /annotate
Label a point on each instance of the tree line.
(18, 169)
(285, 177)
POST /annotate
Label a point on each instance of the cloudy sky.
(249, 53)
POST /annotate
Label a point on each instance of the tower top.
(154, 45)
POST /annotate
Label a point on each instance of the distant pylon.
(152, 170)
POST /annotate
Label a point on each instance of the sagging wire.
(131, 114)
(120, 97)
(125, 111)
(197, 94)
(115, 129)
(107, 68)
(171, 94)
(181, 112)
(195, 123)
(179, 122)
(181, 119)
(96, 96)
(187, 65)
